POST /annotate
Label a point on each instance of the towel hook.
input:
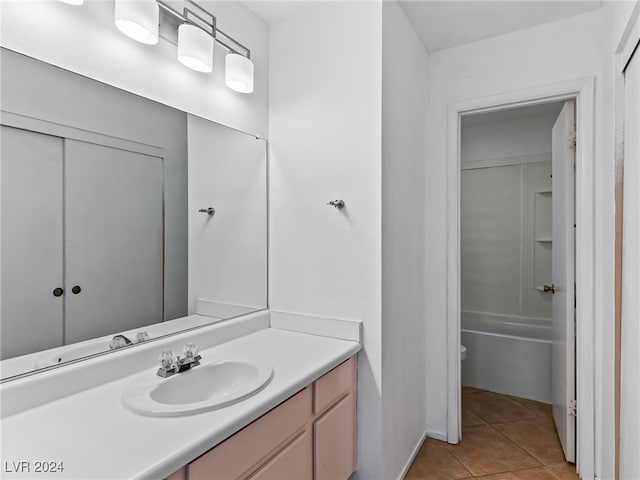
(209, 211)
(339, 204)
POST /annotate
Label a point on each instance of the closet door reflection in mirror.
(32, 242)
(113, 233)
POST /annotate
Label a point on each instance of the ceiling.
(449, 23)
(446, 24)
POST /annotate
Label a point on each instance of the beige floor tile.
(435, 462)
(471, 390)
(537, 436)
(540, 473)
(470, 419)
(543, 409)
(496, 408)
(520, 444)
(484, 450)
(565, 471)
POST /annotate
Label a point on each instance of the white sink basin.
(205, 387)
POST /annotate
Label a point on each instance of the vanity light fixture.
(238, 73)
(197, 35)
(195, 48)
(138, 19)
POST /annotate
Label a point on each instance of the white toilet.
(463, 352)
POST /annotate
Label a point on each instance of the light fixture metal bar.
(215, 31)
(211, 24)
(171, 10)
(234, 50)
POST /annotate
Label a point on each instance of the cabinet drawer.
(293, 462)
(335, 441)
(331, 386)
(178, 474)
(243, 451)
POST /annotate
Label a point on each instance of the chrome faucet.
(170, 364)
(119, 341)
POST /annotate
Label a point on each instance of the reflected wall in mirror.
(102, 233)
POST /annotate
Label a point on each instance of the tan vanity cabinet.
(312, 435)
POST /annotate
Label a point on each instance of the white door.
(630, 323)
(114, 240)
(563, 259)
(31, 242)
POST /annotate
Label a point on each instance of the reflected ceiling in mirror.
(120, 216)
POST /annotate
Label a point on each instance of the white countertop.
(97, 437)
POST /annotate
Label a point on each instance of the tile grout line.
(516, 444)
(527, 409)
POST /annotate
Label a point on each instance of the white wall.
(560, 51)
(487, 140)
(339, 119)
(404, 104)
(84, 40)
(325, 140)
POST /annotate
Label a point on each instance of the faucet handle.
(167, 359)
(142, 336)
(190, 350)
(117, 342)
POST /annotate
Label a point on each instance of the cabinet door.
(293, 462)
(179, 475)
(335, 441)
(246, 450)
(114, 240)
(31, 242)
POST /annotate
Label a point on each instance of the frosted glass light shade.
(238, 74)
(195, 48)
(72, 2)
(138, 19)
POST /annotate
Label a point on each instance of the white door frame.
(582, 90)
(627, 441)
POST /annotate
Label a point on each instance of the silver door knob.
(549, 288)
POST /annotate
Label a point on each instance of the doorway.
(581, 92)
(517, 258)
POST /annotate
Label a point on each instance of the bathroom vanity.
(301, 424)
(310, 436)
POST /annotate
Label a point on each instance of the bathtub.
(507, 354)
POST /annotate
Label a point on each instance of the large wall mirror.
(122, 219)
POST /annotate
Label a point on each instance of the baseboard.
(412, 457)
(437, 435)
